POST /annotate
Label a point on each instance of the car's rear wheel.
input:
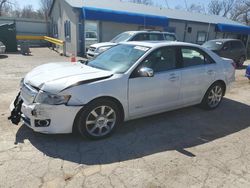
(213, 96)
(98, 119)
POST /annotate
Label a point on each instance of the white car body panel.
(154, 95)
(2, 48)
(138, 97)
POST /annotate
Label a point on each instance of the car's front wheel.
(98, 119)
(213, 96)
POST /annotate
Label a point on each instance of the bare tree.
(196, 8)
(45, 7)
(215, 7)
(6, 7)
(241, 12)
(221, 7)
(227, 6)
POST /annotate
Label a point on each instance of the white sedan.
(130, 80)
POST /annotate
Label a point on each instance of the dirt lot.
(184, 148)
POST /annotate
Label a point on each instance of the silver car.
(128, 81)
(2, 48)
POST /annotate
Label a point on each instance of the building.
(71, 19)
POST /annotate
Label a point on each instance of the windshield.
(122, 37)
(213, 45)
(118, 59)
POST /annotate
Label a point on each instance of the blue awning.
(90, 13)
(240, 29)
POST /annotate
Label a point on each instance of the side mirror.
(146, 72)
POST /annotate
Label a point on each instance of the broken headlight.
(51, 99)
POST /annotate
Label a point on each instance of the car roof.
(156, 44)
(224, 40)
(149, 31)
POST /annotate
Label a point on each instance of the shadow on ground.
(174, 130)
(3, 56)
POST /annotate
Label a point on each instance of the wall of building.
(181, 30)
(61, 13)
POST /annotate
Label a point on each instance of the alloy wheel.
(100, 121)
(215, 96)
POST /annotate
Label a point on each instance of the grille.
(28, 93)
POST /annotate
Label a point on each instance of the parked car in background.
(248, 72)
(90, 38)
(229, 48)
(129, 81)
(2, 48)
(98, 48)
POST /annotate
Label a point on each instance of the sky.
(171, 3)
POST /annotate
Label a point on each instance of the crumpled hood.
(102, 44)
(55, 77)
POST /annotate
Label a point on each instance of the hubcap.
(215, 96)
(101, 121)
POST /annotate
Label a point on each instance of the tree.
(227, 6)
(241, 12)
(215, 7)
(221, 7)
(45, 7)
(5, 7)
(196, 8)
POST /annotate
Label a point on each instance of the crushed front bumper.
(49, 119)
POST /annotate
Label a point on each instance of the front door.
(158, 93)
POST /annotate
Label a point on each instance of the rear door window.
(236, 45)
(141, 37)
(193, 57)
(156, 37)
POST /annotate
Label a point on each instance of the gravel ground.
(183, 148)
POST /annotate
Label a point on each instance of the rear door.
(198, 72)
(238, 50)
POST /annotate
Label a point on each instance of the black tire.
(206, 102)
(85, 115)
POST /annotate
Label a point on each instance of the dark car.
(229, 48)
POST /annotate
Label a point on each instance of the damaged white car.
(128, 81)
